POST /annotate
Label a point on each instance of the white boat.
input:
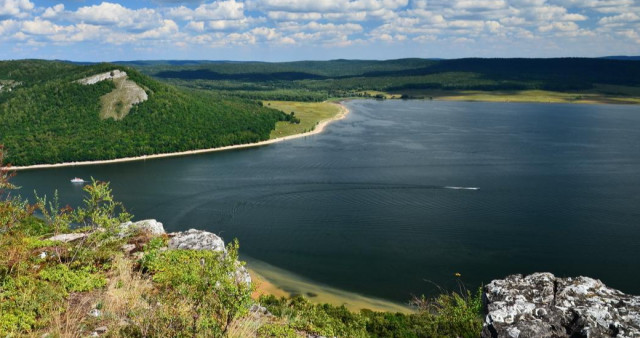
(77, 180)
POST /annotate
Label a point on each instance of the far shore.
(318, 129)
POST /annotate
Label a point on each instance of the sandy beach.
(318, 129)
(270, 280)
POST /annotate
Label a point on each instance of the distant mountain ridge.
(410, 77)
(623, 57)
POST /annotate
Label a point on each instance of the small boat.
(77, 180)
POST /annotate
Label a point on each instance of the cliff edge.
(543, 305)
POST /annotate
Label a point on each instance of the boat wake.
(462, 188)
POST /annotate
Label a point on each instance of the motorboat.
(77, 180)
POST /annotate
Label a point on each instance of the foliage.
(277, 330)
(53, 216)
(451, 314)
(100, 208)
(82, 279)
(207, 281)
(13, 210)
(319, 319)
(36, 275)
(448, 315)
(320, 80)
(50, 118)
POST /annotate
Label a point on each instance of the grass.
(600, 94)
(309, 113)
(119, 101)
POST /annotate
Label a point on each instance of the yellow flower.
(458, 274)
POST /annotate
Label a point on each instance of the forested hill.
(318, 80)
(46, 116)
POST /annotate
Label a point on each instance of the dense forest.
(47, 117)
(319, 80)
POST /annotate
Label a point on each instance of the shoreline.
(270, 280)
(319, 128)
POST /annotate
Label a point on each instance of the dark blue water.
(364, 205)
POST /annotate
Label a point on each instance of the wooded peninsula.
(48, 115)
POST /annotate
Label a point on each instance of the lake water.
(370, 206)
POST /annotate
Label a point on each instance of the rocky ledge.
(185, 240)
(543, 305)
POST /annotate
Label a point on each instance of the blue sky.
(283, 30)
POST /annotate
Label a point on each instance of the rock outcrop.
(543, 305)
(66, 238)
(193, 239)
(151, 225)
(114, 74)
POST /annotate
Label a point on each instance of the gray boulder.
(543, 305)
(151, 225)
(196, 240)
(66, 238)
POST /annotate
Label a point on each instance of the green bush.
(448, 315)
(204, 279)
(83, 279)
(277, 330)
(320, 319)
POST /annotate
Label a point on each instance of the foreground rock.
(151, 225)
(543, 305)
(66, 238)
(193, 239)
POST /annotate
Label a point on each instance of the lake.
(376, 205)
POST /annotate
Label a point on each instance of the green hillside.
(47, 117)
(601, 80)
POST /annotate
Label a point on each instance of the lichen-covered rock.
(151, 225)
(543, 305)
(193, 239)
(66, 238)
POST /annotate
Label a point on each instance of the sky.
(286, 30)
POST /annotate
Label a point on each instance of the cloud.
(224, 25)
(8, 26)
(197, 26)
(293, 16)
(219, 10)
(108, 13)
(559, 26)
(325, 6)
(53, 12)
(332, 23)
(479, 4)
(347, 28)
(41, 27)
(15, 8)
(168, 28)
(621, 18)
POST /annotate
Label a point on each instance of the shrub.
(319, 319)
(83, 279)
(204, 279)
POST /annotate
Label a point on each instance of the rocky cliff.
(543, 305)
